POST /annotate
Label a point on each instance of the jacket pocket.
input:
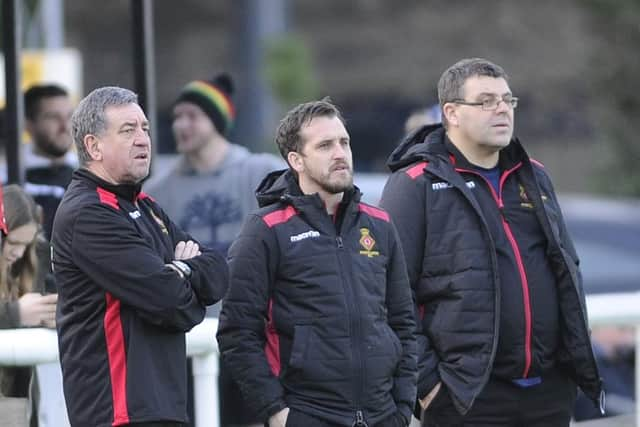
(301, 335)
(395, 341)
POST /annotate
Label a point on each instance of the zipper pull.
(359, 422)
(340, 245)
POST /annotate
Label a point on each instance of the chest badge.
(159, 221)
(368, 243)
(525, 202)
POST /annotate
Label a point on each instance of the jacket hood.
(415, 146)
(275, 185)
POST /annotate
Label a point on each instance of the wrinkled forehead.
(117, 115)
(328, 128)
(476, 86)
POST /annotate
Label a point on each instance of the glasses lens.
(490, 103)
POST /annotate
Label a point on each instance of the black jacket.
(319, 315)
(122, 313)
(452, 249)
(46, 184)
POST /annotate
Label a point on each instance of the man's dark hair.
(451, 83)
(288, 133)
(35, 93)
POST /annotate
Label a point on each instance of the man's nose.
(339, 152)
(503, 106)
(142, 138)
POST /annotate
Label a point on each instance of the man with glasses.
(503, 338)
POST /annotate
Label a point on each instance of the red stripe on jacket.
(142, 195)
(272, 347)
(417, 170)
(537, 163)
(108, 198)
(374, 212)
(117, 360)
(278, 217)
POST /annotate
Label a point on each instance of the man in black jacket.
(130, 282)
(504, 337)
(318, 324)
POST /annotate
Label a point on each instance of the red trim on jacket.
(519, 263)
(272, 346)
(374, 212)
(280, 216)
(537, 163)
(417, 170)
(117, 360)
(108, 198)
(142, 195)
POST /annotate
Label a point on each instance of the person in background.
(23, 262)
(422, 117)
(212, 188)
(503, 336)
(49, 160)
(21, 275)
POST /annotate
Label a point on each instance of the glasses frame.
(511, 103)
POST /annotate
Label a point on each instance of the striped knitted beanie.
(214, 98)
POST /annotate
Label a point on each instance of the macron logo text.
(305, 235)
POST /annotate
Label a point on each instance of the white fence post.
(35, 346)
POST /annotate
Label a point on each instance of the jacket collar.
(282, 186)
(126, 191)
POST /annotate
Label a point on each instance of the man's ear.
(450, 111)
(93, 146)
(295, 160)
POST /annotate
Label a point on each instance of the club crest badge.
(368, 243)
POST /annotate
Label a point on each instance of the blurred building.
(378, 59)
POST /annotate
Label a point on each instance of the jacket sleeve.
(404, 198)
(243, 318)
(108, 249)
(401, 317)
(209, 272)
(9, 315)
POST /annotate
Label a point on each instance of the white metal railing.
(34, 346)
(26, 347)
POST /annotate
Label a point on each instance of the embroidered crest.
(159, 221)
(368, 243)
(525, 202)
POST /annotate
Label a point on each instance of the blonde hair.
(20, 209)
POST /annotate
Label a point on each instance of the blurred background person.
(21, 278)
(24, 260)
(211, 188)
(49, 160)
(422, 117)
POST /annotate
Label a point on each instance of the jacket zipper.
(355, 327)
(359, 422)
(520, 264)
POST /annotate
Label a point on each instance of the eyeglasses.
(491, 104)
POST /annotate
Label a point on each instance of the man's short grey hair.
(89, 117)
(451, 83)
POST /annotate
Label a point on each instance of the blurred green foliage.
(289, 70)
(616, 71)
